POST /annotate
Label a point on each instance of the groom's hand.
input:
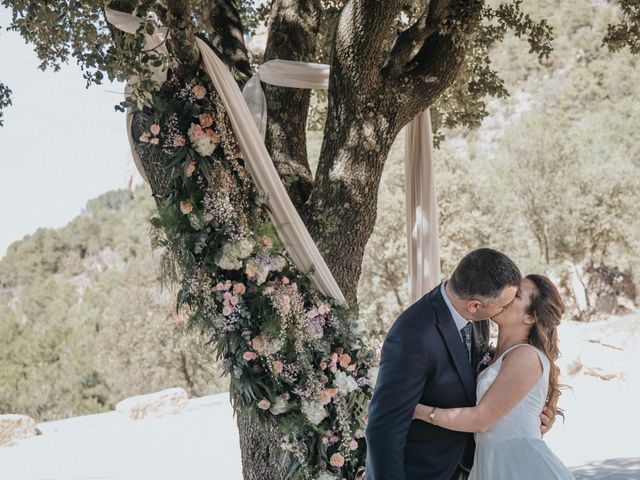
(547, 420)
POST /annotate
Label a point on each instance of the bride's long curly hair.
(547, 308)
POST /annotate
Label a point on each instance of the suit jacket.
(423, 360)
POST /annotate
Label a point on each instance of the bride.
(512, 391)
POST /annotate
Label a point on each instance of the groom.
(430, 356)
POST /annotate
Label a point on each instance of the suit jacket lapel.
(447, 328)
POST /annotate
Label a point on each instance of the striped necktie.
(466, 337)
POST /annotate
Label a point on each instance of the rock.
(15, 426)
(166, 402)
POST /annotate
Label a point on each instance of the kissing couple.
(434, 415)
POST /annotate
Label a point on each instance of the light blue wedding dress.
(513, 448)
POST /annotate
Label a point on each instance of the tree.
(626, 33)
(389, 60)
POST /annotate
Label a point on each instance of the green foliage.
(559, 159)
(626, 33)
(84, 322)
(5, 100)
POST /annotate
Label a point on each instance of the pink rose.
(354, 444)
(248, 356)
(154, 141)
(285, 281)
(264, 404)
(337, 460)
(189, 168)
(226, 311)
(155, 129)
(144, 138)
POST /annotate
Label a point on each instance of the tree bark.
(293, 29)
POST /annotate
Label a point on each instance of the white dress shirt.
(460, 321)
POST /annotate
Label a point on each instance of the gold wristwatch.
(432, 415)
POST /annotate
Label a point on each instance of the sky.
(61, 144)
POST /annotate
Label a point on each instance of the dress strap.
(543, 358)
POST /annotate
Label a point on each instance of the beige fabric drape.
(423, 240)
(423, 243)
(248, 116)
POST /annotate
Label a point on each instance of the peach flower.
(206, 120)
(345, 360)
(199, 91)
(277, 366)
(259, 343)
(186, 207)
(337, 460)
(264, 404)
(239, 288)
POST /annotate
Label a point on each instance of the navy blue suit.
(423, 360)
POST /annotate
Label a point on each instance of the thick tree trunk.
(262, 457)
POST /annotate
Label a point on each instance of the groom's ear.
(473, 305)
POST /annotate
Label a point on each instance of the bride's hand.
(421, 412)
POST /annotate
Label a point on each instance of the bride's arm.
(519, 372)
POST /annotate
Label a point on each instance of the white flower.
(326, 476)
(233, 253)
(345, 383)
(281, 405)
(314, 411)
(274, 346)
(202, 143)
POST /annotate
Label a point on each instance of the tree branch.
(435, 66)
(227, 35)
(408, 40)
(362, 29)
(293, 29)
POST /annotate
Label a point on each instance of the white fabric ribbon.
(282, 73)
(248, 118)
(423, 244)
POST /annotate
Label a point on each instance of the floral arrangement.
(485, 356)
(295, 356)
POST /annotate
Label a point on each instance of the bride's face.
(516, 313)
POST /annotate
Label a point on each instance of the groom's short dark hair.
(484, 273)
